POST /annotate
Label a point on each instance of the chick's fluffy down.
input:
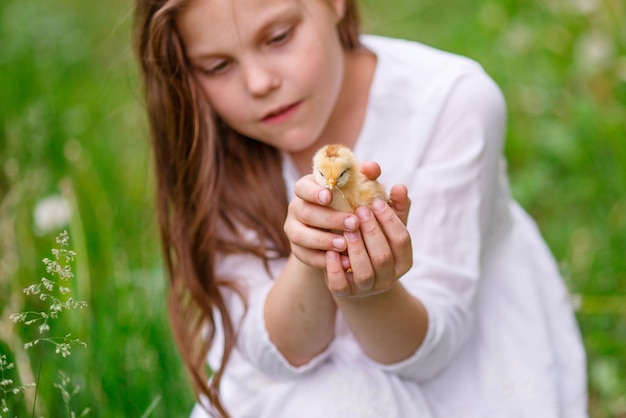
(335, 167)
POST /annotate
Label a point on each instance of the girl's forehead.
(234, 10)
(218, 21)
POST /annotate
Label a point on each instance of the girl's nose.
(260, 79)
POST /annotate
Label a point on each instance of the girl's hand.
(365, 283)
(379, 252)
(398, 194)
(391, 257)
(310, 223)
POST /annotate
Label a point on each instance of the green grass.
(72, 123)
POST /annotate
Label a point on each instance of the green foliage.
(562, 68)
(73, 141)
(11, 391)
(69, 391)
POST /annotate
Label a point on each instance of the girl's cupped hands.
(363, 253)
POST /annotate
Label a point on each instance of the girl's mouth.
(281, 114)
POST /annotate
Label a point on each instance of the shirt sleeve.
(454, 196)
(253, 340)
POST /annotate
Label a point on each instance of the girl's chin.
(294, 143)
(302, 147)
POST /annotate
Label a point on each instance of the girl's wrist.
(389, 325)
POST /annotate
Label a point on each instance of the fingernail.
(324, 197)
(378, 205)
(350, 223)
(339, 243)
(331, 255)
(352, 236)
(363, 213)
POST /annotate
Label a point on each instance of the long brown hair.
(206, 175)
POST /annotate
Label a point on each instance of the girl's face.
(271, 69)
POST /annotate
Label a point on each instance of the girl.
(455, 310)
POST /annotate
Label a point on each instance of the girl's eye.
(218, 67)
(280, 37)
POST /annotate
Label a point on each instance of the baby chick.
(335, 167)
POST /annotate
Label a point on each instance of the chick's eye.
(343, 173)
(322, 174)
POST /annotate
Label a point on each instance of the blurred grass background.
(72, 125)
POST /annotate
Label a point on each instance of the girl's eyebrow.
(282, 12)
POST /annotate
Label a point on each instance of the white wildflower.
(33, 289)
(517, 38)
(63, 239)
(585, 7)
(48, 284)
(18, 317)
(52, 213)
(595, 51)
(63, 349)
(576, 301)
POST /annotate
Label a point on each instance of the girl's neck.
(346, 120)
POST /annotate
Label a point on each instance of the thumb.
(370, 169)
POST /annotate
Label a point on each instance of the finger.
(321, 217)
(301, 233)
(336, 279)
(307, 189)
(400, 202)
(376, 243)
(363, 275)
(397, 235)
(370, 169)
(345, 263)
(315, 239)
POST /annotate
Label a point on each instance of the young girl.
(454, 308)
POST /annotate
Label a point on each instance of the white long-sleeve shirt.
(502, 340)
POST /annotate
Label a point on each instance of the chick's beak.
(331, 183)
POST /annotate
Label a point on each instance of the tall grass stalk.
(54, 292)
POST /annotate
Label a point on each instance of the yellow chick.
(335, 167)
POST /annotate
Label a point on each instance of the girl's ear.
(340, 8)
